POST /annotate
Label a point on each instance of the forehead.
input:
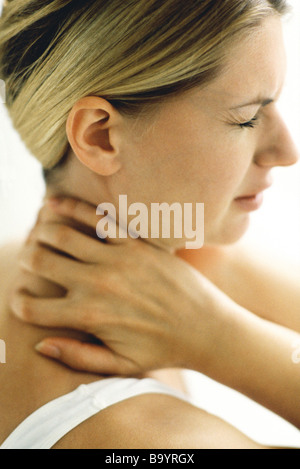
(255, 67)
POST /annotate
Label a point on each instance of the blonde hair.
(132, 53)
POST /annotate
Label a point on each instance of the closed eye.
(250, 124)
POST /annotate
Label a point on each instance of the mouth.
(252, 202)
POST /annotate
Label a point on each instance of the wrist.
(209, 330)
(216, 350)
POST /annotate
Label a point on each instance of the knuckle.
(36, 258)
(24, 308)
(71, 205)
(88, 317)
(44, 214)
(109, 283)
(95, 278)
(61, 235)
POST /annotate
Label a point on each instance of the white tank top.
(46, 426)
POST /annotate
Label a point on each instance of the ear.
(93, 130)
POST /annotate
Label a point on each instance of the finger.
(57, 312)
(44, 312)
(47, 264)
(86, 357)
(72, 242)
(90, 216)
(78, 210)
(45, 213)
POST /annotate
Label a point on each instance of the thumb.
(86, 357)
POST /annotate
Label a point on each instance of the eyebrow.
(263, 102)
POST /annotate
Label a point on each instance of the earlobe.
(91, 129)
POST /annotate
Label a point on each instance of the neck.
(77, 181)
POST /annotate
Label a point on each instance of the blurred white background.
(275, 228)
(275, 231)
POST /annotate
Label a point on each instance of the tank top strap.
(47, 425)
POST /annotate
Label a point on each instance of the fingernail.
(49, 350)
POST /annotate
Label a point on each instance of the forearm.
(157, 312)
(255, 357)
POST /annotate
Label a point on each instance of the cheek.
(180, 163)
(215, 169)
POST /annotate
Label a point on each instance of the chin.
(230, 232)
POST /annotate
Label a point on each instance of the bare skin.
(166, 421)
(239, 271)
(105, 156)
(186, 422)
(143, 328)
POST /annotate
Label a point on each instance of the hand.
(149, 308)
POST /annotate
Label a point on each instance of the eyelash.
(250, 124)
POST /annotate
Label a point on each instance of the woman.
(163, 102)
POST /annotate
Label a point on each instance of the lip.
(251, 203)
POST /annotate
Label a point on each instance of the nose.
(277, 146)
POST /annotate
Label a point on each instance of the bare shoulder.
(155, 422)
